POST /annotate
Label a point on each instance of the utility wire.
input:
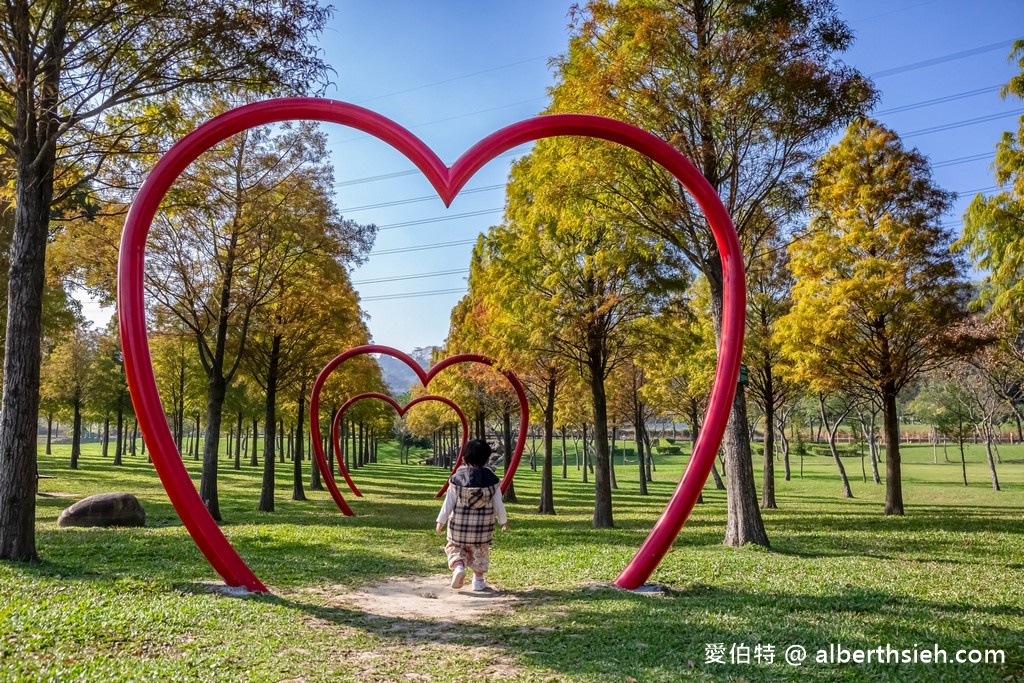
(971, 193)
(422, 247)
(413, 295)
(439, 219)
(417, 276)
(425, 198)
(942, 59)
(961, 124)
(938, 100)
(366, 136)
(963, 160)
(411, 171)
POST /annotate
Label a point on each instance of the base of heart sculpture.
(401, 410)
(447, 182)
(424, 377)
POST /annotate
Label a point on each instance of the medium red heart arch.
(424, 376)
(401, 410)
(447, 182)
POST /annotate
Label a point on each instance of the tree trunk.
(269, 419)
(893, 476)
(963, 460)
(830, 431)
(506, 434)
(565, 459)
(585, 453)
(547, 497)
(37, 85)
(361, 450)
(216, 390)
(106, 435)
(650, 455)
(76, 434)
(314, 480)
(119, 445)
(238, 442)
(991, 461)
(611, 461)
(253, 458)
(743, 523)
(784, 444)
(179, 409)
(719, 484)
(768, 479)
(602, 481)
(297, 492)
(280, 438)
(872, 448)
(640, 455)
(135, 433)
(49, 432)
(195, 440)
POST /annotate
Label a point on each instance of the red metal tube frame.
(424, 376)
(401, 410)
(447, 182)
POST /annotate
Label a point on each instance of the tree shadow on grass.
(73, 554)
(607, 634)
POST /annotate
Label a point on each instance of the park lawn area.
(143, 604)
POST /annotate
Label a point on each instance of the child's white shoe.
(459, 577)
(478, 583)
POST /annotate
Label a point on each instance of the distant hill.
(397, 375)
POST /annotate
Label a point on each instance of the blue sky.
(453, 72)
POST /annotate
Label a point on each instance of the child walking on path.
(471, 506)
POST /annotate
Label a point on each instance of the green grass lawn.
(139, 604)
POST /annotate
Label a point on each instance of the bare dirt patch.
(426, 597)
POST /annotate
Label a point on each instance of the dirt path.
(427, 597)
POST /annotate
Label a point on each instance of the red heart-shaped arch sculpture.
(424, 376)
(447, 182)
(401, 410)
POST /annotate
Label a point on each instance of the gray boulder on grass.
(105, 509)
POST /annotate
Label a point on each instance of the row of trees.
(591, 280)
(248, 259)
(603, 279)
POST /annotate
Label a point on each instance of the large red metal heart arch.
(447, 182)
(424, 376)
(335, 436)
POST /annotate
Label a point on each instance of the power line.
(961, 124)
(963, 160)
(413, 295)
(425, 198)
(971, 193)
(411, 171)
(364, 136)
(938, 100)
(417, 276)
(422, 247)
(439, 219)
(953, 56)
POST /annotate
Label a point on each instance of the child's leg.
(457, 563)
(478, 559)
(454, 554)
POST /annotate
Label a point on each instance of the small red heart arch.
(424, 376)
(447, 182)
(401, 410)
